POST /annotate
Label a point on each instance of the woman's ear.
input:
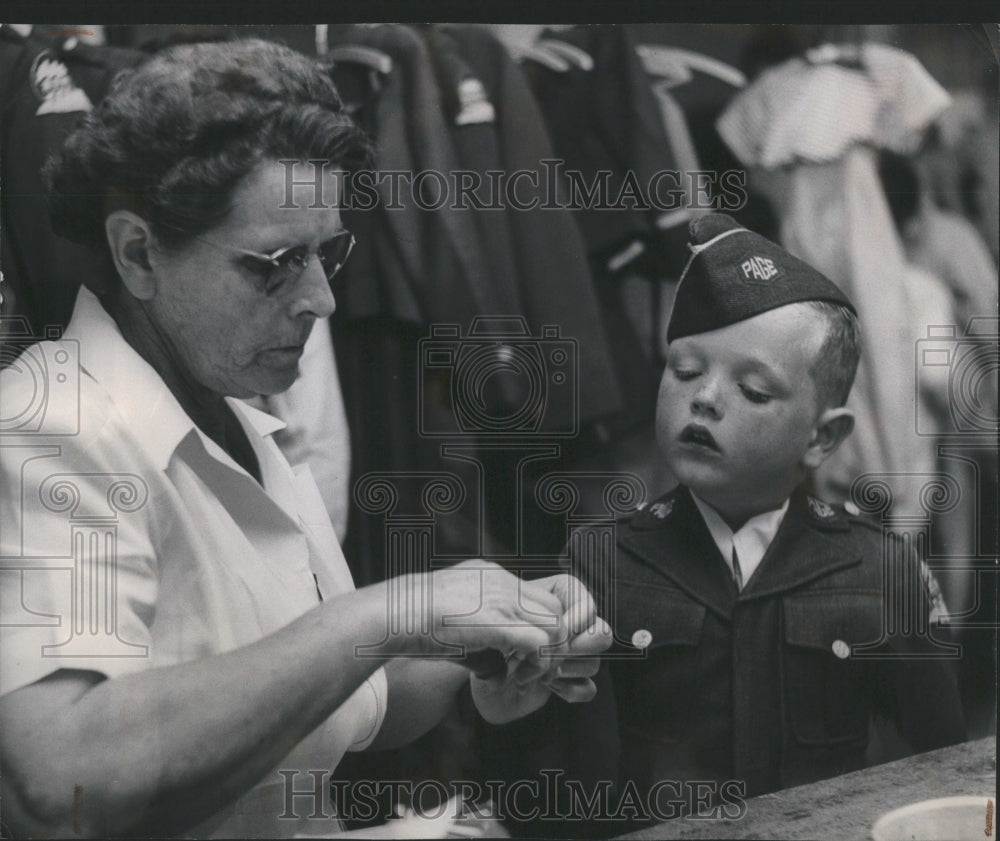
(832, 427)
(130, 241)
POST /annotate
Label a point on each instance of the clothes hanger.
(22, 29)
(375, 60)
(846, 55)
(676, 65)
(540, 56)
(581, 58)
(378, 63)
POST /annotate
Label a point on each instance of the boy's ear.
(832, 427)
(130, 240)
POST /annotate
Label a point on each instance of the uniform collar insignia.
(661, 510)
(652, 516)
(820, 509)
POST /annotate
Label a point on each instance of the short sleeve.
(378, 688)
(78, 583)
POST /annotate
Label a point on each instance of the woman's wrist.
(395, 616)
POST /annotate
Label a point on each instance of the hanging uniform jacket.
(554, 281)
(606, 124)
(437, 251)
(409, 272)
(48, 88)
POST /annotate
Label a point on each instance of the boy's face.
(738, 406)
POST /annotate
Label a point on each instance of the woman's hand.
(564, 667)
(473, 607)
(523, 641)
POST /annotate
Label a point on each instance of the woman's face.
(229, 332)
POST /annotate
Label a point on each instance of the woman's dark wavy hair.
(172, 138)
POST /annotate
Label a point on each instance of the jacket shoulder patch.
(53, 86)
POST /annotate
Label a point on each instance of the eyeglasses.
(286, 265)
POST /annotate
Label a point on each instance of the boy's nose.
(706, 401)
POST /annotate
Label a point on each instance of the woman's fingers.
(481, 605)
(578, 605)
(577, 660)
(574, 667)
(595, 639)
(573, 690)
(537, 624)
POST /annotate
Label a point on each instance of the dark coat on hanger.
(47, 88)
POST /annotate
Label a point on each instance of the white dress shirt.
(130, 540)
(750, 542)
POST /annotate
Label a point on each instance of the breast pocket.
(649, 617)
(658, 632)
(826, 690)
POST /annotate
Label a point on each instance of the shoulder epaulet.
(858, 519)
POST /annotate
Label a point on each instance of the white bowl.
(944, 819)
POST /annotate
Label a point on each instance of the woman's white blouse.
(130, 540)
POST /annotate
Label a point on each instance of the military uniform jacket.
(770, 685)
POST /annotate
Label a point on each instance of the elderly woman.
(183, 649)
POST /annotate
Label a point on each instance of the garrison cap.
(734, 274)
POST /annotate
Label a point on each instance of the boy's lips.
(699, 436)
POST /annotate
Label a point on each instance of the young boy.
(746, 595)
